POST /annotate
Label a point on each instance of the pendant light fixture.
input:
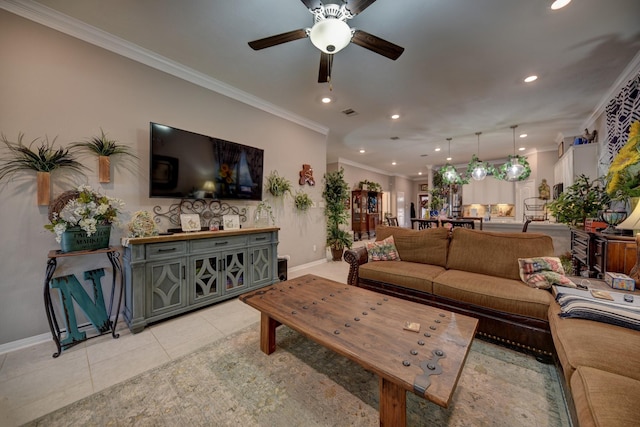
(449, 173)
(517, 167)
(478, 169)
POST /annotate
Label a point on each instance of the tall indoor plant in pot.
(336, 196)
(584, 199)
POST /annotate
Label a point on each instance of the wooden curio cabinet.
(366, 213)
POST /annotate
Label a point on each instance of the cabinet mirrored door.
(234, 271)
(206, 278)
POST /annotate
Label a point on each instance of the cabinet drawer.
(167, 249)
(218, 243)
(260, 238)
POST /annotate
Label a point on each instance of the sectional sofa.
(477, 273)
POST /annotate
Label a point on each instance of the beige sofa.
(477, 273)
(467, 271)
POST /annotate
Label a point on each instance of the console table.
(173, 274)
(70, 289)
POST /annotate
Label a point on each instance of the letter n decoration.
(70, 289)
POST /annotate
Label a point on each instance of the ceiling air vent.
(394, 138)
(350, 112)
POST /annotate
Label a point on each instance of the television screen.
(187, 165)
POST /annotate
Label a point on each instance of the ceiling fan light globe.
(330, 35)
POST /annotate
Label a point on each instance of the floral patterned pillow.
(383, 250)
(543, 272)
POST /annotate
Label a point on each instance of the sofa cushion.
(424, 246)
(411, 275)
(498, 293)
(581, 342)
(495, 254)
(605, 399)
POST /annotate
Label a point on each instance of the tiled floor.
(32, 383)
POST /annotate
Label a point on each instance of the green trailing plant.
(264, 209)
(39, 155)
(336, 195)
(103, 146)
(371, 186)
(584, 199)
(277, 185)
(302, 201)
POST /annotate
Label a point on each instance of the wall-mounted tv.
(187, 165)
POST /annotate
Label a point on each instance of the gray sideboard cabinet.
(169, 275)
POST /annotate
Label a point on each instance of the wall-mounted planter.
(104, 169)
(43, 180)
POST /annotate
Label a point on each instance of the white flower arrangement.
(87, 210)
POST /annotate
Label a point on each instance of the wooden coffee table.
(368, 328)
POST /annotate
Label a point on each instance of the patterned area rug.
(231, 382)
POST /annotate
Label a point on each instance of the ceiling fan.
(330, 33)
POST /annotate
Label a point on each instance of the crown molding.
(51, 18)
(629, 73)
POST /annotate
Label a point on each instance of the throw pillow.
(543, 272)
(383, 250)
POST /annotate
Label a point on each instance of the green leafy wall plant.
(277, 185)
(302, 201)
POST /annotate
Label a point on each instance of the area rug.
(231, 383)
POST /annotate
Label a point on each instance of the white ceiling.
(461, 72)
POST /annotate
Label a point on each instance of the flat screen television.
(187, 165)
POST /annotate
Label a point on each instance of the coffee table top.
(368, 328)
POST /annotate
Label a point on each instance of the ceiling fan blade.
(357, 6)
(377, 45)
(326, 61)
(312, 4)
(278, 39)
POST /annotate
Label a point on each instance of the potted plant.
(81, 219)
(336, 195)
(44, 158)
(302, 201)
(277, 185)
(104, 148)
(584, 199)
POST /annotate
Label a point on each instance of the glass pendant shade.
(514, 171)
(517, 167)
(479, 173)
(449, 174)
(477, 168)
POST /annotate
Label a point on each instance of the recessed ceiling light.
(393, 163)
(362, 151)
(559, 4)
(437, 148)
(419, 173)
(521, 149)
(523, 135)
(448, 159)
(326, 100)
(395, 116)
(531, 79)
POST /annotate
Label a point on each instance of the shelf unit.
(366, 212)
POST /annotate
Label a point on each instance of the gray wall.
(55, 85)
